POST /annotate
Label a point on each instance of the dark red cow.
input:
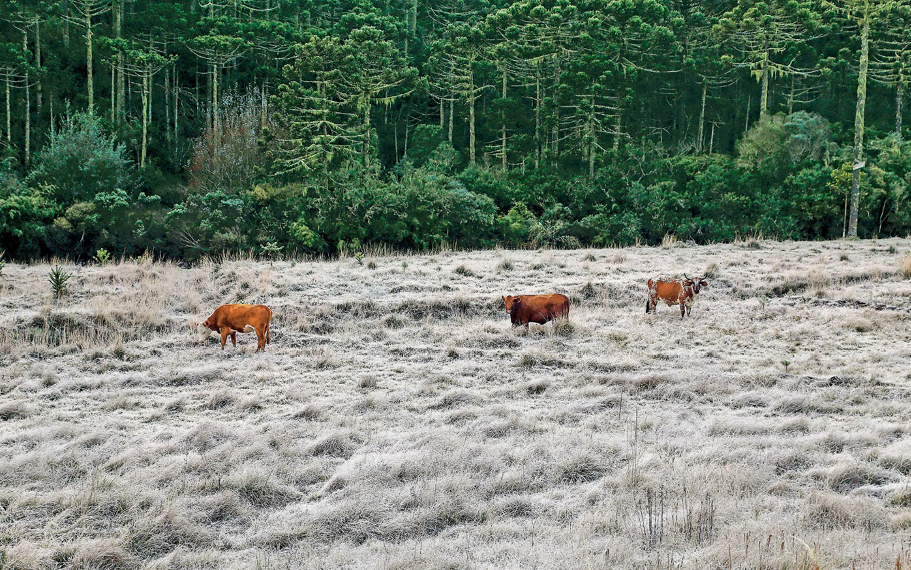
(524, 309)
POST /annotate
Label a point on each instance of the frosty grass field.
(397, 420)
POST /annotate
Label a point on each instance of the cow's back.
(238, 316)
(540, 308)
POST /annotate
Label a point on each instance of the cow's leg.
(261, 339)
(268, 334)
(682, 309)
(234, 338)
(224, 336)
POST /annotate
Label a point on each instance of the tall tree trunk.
(167, 105)
(113, 92)
(471, 116)
(538, 142)
(9, 135)
(413, 17)
(146, 79)
(764, 91)
(746, 127)
(88, 58)
(216, 73)
(39, 95)
(556, 130)
(791, 96)
(859, 120)
(366, 128)
(442, 115)
(175, 102)
(451, 114)
(503, 161)
(619, 128)
(899, 93)
(28, 105)
(121, 76)
(592, 135)
(700, 137)
(28, 123)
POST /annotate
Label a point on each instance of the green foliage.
(80, 161)
(308, 127)
(102, 256)
(58, 278)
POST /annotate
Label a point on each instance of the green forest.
(284, 127)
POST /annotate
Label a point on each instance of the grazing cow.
(233, 319)
(524, 309)
(677, 291)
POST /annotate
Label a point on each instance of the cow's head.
(511, 301)
(695, 282)
(203, 330)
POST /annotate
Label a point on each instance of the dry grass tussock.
(398, 420)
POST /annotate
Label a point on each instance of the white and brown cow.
(674, 292)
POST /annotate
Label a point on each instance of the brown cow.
(233, 319)
(524, 309)
(673, 292)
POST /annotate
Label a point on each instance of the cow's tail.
(648, 299)
(249, 329)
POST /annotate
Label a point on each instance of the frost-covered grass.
(398, 421)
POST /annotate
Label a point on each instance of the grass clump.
(465, 271)
(906, 267)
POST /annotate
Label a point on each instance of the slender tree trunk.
(619, 128)
(471, 116)
(746, 127)
(88, 58)
(146, 79)
(451, 114)
(413, 17)
(121, 76)
(592, 135)
(791, 96)
(28, 123)
(700, 137)
(167, 105)
(28, 106)
(764, 94)
(538, 137)
(503, 161)
(859, 120)
(556, 130)
(216, 72)
(39, 95)
(442, 115)
(66, 24)
(366, 130)
(175, 101)
(712, 140)
(113, 92)
(899, 93)
(9, 135)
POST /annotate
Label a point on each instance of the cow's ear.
(704, 284)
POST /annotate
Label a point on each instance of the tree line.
(190, 127)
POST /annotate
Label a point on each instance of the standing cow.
(524, 309)
(232, 319)
(673, 292)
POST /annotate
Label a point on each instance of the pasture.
(397, 420)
